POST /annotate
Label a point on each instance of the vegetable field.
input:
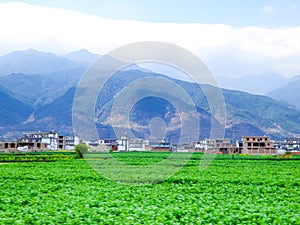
(239, 191)
(37, 157)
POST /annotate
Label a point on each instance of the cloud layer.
(225, 49)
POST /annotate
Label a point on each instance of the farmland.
(240, 191)
(37, 156)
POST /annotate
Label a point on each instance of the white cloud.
(227, 50)
(268, 8)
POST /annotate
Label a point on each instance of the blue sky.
(264, 13)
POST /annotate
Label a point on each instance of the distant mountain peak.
(82, 51)
(29, 51)
(31, 61)
(83, 57)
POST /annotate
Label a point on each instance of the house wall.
(215, 145)
(257, 145)
(292, 143)
(10, 145)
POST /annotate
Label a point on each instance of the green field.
(46, 156)
(253, 190)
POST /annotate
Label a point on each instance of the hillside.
(44, 102)
(12, 111)
(39, 89)
(255, 114)
(247, 114)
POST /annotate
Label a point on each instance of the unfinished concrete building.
(67, 142)
(8, 145)
(257, 145)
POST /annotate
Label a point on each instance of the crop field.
(240, 191)
(37, 156)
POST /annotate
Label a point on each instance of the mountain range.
(290, 92)
(37, 91)
(255, 84)
(270, 84)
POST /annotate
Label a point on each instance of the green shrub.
(81, 149)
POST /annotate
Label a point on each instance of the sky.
(266, 13)
(233, 37)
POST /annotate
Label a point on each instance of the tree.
(81, 149)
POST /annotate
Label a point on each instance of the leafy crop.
(37, 156)
(236, 191)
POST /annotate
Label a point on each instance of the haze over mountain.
(255, 84)
(290, 92)
(43, 101)
(37, 78)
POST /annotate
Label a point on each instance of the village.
(252, 145)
